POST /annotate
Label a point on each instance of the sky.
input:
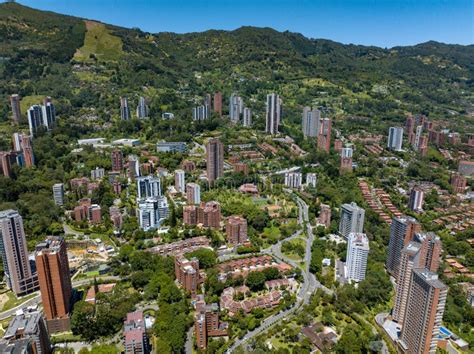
(384, 23)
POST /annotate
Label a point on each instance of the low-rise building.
(26, 333)
(265, 301)
(181, 247)
(171, 146)
(244, 266)
(136, 340)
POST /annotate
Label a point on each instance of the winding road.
(309, 285)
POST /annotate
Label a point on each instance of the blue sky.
(384, 23)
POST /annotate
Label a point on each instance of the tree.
(255, 281)
(350, 341)
(207, 257)
(140, 278)
(172, 218)
(271, 273)
(82, 320)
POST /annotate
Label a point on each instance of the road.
(189, 341)
(309, 285)
(36, 300)
(69, 231)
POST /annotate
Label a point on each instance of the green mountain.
(89, 64)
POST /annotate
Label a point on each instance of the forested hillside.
(89, 64)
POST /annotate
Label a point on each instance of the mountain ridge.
(39, 56)
(12, 6)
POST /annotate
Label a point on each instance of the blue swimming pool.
(445, 332)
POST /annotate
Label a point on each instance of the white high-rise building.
(179, 181)
(357, 254)
(236, 107)
(415, 202)
(151, 212)
(201, 112)
(58, 194)
(346, 152)
(273, 115)
(142, 108)
(133, 166)
(49, 114)
(293, 179)
(97, 173)
(41, 116)
(395, 138)
(19, 275)
(247, 117)
(124, 109)
(311, 180)
(419, 131)
(148, 186)
(35, 118)
(310, 122)
(352, 219)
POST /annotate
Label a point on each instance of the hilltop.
(64, 56)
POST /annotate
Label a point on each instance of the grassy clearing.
(99, 42)
(91, 77)
(28, 101)
(13, 301)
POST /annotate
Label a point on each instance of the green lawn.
(28, 101)
(99, 42)
(13, 301)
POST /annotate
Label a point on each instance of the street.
(309, 285)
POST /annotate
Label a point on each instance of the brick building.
(188, 274)
(55, 283)
(236, 230)
(207, 324)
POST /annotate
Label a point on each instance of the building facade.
(135, 338)
(395, 138)
(357, 255)
(193, 193)
(346, 160)
(142, 109)
(236, 230)
(459, 183)
(310, 122)
(324, 215)
(218, 103)
(58, 194)
(273, 114)
(293, 179)
(424, 312)
(124, 109)
(214, 160)
(402, 231)
(179, 181)
(352, 219)
(415, 202)
(247, 117)
(54, 277)
(19, 275)
(151, 212)
(148, 186)
(324, 134)
(117, 160)
(16, 108)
